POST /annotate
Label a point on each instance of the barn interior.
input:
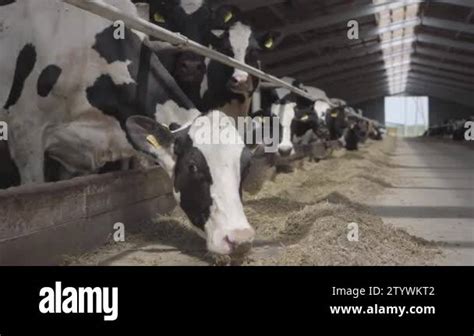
(406, 64)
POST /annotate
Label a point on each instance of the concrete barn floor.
(434, 196)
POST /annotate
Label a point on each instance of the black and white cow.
(226, 88)
(343, 126)
(299, 117)
(69, 89)
(353, 134)
(459, 128)
(336, 122)
(313, 114)
(375, 132)
(193, 19)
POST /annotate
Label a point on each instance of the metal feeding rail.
(112, 13)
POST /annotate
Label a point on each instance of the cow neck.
(237, 108)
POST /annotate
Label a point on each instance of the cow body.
(75, 84)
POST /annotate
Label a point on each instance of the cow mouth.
(241, 90)
(240, 250)
(190, 78)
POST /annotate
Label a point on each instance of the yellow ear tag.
(228, 16)
(269, 43)
(152, 141)
(158, 18)
(334, 114)
(305, 118)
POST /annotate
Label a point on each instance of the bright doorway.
(408, 115)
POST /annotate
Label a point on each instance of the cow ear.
(269, 40)
(153, 139)
(225, 16)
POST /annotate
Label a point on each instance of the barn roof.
(419, 47)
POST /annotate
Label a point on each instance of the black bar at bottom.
(383, 299)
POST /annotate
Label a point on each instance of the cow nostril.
(191, 66)
(284, 152)
(240, 241)
(238, 248)
(242, 249)
(231, 243)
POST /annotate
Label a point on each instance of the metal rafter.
(382, 82)
(350, 65)
(356, 73)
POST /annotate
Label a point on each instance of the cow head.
(336, 121)
(207, 176)
(268, 125)
(191, 18)
(234, 37)
(321, 107)
(352, 134)
(284, 104)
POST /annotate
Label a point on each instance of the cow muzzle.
(240, 241)
(190, 69)
(285, 151)
(240, 82)
(233, 242)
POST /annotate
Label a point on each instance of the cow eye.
(269, 42)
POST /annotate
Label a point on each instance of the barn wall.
(440, 110)
(374, 109)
